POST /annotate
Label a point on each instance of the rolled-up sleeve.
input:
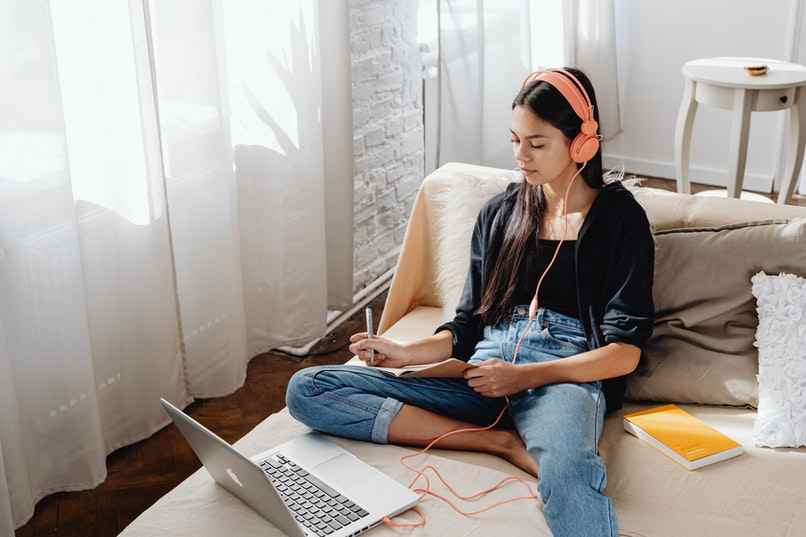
(466, 326)
(629, 315)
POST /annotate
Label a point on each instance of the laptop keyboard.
(315, 505)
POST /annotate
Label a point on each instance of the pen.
(370, 334)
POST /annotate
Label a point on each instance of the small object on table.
(756, 70)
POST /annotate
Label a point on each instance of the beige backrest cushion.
(670, 210)
(702, 349)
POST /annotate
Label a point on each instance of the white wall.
(655, 39)
(387, 131)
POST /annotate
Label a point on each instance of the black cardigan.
(615, 260)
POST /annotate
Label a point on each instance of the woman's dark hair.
(546, 102)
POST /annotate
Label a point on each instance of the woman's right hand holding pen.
(388, 353)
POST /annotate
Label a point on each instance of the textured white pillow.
(781, 342)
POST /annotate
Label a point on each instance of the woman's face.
(540, 149)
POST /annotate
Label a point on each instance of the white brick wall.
(388, 130)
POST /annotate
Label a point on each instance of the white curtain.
(162, 219)
(488, 48)
(590, 45)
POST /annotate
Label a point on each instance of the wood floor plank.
(77, 514)
(46, 515)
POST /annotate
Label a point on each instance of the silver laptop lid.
(235, 472)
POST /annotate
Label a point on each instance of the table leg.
(742, 107)
(796, 138)
(682, 136)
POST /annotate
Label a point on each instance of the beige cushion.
(671, 210)
(702, 348)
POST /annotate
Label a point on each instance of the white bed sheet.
(198, 507)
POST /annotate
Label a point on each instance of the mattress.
(760, 493)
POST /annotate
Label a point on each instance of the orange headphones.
(583, 148)
(586, 143)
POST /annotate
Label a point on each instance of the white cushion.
(781, 342)
(453, 227)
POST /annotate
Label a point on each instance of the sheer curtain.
(488, 48)
(162, 219)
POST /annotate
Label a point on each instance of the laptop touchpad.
(345, 472)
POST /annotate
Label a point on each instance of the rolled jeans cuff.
(380, 429)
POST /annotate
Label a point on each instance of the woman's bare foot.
(415, 426)
(515, 452)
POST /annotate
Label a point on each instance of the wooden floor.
(141, 473)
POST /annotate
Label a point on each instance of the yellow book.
(684, 438)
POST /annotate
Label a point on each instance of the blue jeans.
(560, 424)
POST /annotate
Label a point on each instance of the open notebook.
(419, 322)
(450, 368)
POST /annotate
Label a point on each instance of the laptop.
(308, 486)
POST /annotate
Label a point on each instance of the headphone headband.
(575, 94)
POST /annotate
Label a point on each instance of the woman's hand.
(387, 352)
(496, 378)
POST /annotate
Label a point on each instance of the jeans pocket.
(567, 334)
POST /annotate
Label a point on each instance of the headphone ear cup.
(584, 148)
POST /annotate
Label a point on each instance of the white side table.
(722, 82)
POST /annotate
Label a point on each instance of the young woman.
(592, 316)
